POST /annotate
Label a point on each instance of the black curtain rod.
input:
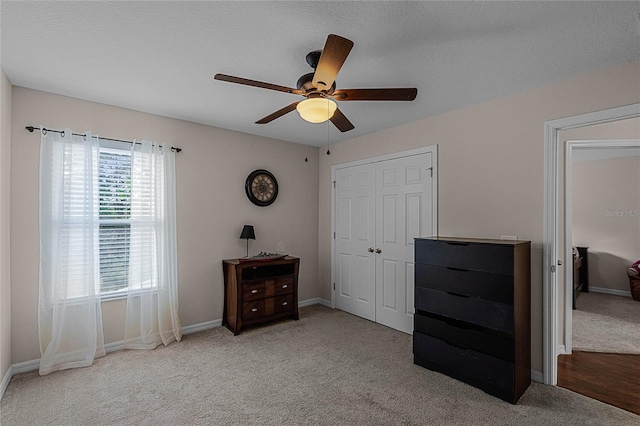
(45, 130)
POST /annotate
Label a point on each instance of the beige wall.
(490, 184)
(606, 218)
(5, 255)
(491, 165)
(211, 205)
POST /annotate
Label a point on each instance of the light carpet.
(606, 323)
(327, 368)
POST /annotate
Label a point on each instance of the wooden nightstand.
(259, 291)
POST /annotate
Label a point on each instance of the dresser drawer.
(493, 258)
(484, 285)
(283, 304)
(464, 364)
(253, 291)
(253, 310)
(463, 335)
(283, 286)
(495, 315)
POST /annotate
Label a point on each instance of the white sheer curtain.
(69, 313)
(152, 301)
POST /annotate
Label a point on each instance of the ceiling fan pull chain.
(328, 152)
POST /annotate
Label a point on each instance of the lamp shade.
(316, 110)
(248, 233)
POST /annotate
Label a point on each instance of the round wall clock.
(261, 187)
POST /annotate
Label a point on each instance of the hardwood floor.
(610, 378)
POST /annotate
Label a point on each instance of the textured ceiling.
(159, 57)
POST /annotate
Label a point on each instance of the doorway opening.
(551, 256)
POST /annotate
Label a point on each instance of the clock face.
(261, 187)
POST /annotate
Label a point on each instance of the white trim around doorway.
(550, 343)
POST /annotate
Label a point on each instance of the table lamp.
(248, 233)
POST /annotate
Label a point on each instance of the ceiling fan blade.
(278, 113)
(335, 51)
(254, 83)
(341, 122)
(400, 94)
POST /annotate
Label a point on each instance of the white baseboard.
(562, 350)
(25, 366)
(5, 381)
(315, 301)
(610, 291)
(537, 376)
(195, 328)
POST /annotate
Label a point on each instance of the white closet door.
(379, 209)
(403, 212)
(355, 240)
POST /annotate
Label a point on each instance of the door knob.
(378, 251)
(370, 249)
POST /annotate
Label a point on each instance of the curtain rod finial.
(30, 128)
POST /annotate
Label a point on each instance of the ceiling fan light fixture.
(316, 110)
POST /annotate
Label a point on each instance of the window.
(114, 186)
(107, 227)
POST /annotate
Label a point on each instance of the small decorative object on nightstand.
(258, 290)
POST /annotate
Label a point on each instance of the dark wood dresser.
(258, 291)
(473, 314)
(580, 272)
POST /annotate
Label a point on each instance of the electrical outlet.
(508, 237)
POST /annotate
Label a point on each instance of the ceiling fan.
(319, 88)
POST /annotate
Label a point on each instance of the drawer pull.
(254, 291)
(457, 294)
(254, 310)
(285, 286)
(451, 243)
(457, 269)
(284, 303)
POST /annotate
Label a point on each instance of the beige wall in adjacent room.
(606, 218)
(5, 230)
(491, 165)
(211, 205)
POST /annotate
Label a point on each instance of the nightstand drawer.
(253, 310)
(484, 285)
(253, 291)
(283, 304)
(495, 315)
(465, 364)
(493, 258)
(464, 335)
(283, 286)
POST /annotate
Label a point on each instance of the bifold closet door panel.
(354, 225)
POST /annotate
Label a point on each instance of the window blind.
(114, 187)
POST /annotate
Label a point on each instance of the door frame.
(550, 306)
(431, 149)
(572, 145)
